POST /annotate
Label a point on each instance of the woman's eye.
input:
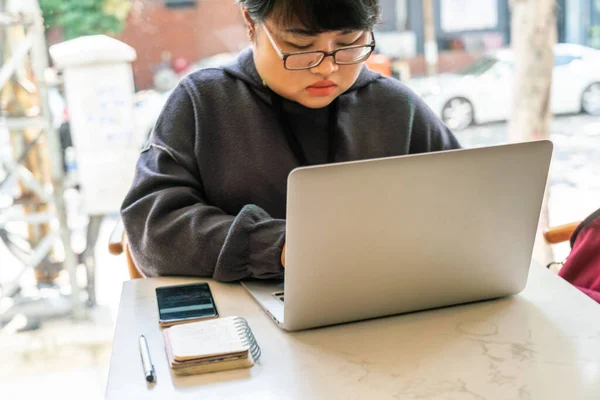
(352, 43)
(297, 46)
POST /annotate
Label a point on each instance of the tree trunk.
(533, 32)
(431, 48)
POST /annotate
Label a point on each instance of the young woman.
(209, 197)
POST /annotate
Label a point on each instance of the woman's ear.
(249, 22)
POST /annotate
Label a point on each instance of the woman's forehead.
(297, 29)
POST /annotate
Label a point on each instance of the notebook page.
(206, 339)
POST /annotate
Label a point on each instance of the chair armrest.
(561, 233)
(115, 242)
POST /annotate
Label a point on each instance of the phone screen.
(185, 302)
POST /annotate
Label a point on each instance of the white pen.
(149, 371)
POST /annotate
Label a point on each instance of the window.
(467, 15)
(593, 34)
(394, 15)
(480, 66)
(560, 60)
(180, 3)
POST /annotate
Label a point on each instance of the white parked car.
(483, 91)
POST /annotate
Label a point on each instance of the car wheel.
(590, 100)
(458, 114)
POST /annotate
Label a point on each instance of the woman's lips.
(322, 88)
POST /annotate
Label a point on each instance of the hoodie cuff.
(252, 247)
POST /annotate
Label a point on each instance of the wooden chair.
(118, 244)
(561, 233)
(558, 234)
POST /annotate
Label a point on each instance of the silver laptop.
(379, 237)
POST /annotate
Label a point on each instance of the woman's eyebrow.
(312, 33)
(301, 32)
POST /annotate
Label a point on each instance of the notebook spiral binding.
(248, 338)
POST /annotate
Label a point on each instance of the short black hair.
(317, 16)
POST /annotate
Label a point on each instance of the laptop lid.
(380, 237)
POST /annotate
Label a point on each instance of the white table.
(542, 344)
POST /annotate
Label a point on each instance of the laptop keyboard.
(279, 296)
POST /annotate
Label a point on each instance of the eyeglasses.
(311, 59)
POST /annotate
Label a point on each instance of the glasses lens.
(354, 55)
(303, 61)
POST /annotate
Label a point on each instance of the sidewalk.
(66, 359)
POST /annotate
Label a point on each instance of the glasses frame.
(284, 56)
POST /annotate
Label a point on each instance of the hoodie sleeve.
(429, 133)
(171, 227)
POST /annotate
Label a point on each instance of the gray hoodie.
(209, 195)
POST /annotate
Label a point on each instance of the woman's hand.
(283, 256)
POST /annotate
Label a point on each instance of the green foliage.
(85, 17)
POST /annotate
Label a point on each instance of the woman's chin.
(311, 101)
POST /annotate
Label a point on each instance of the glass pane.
(480, 66)
(298, 61)
(594, 27)
(560, 60)
(350, 55)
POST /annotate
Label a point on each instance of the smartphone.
(185, 303)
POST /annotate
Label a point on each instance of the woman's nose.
(327, 67)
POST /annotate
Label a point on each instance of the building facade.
(194, 29)
(581, 22)
(463, 29)
(165, 30)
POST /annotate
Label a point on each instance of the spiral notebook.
(208, 346)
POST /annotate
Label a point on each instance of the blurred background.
(82, 83)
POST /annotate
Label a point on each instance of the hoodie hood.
(293, 117)
(244, 69)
